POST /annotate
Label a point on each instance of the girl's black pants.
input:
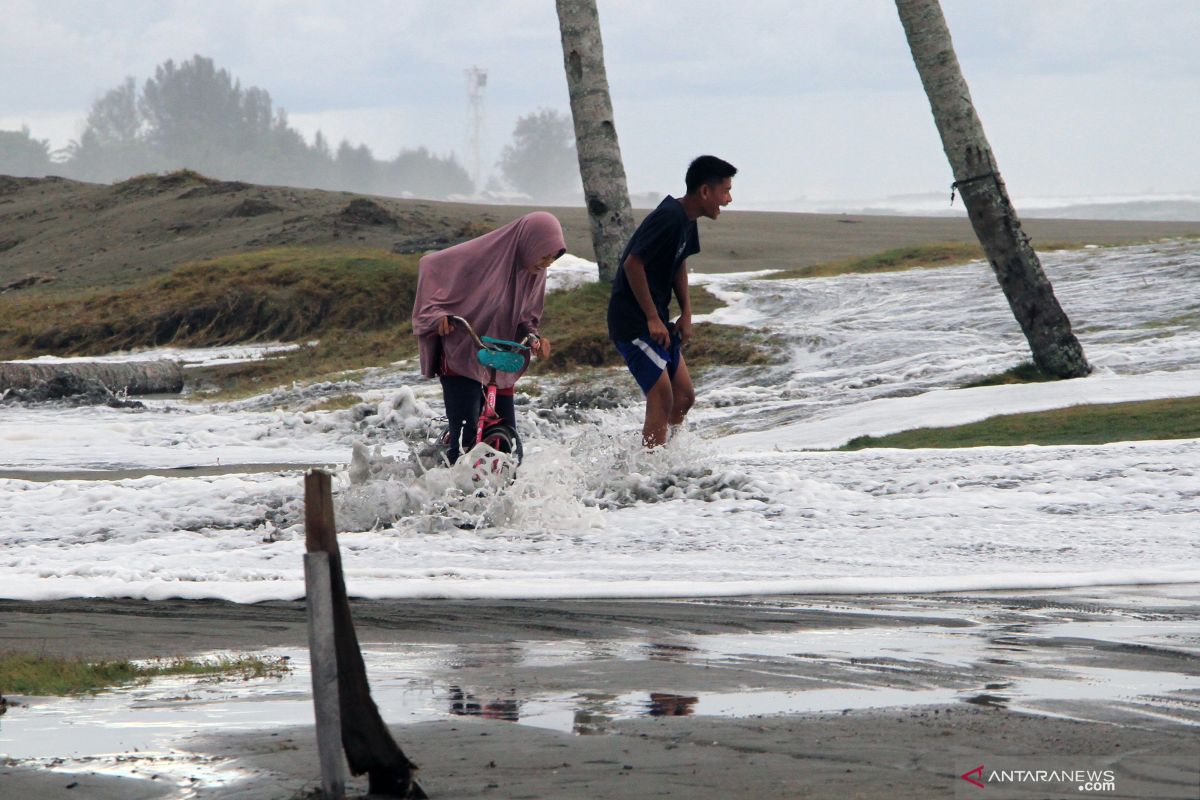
(464, 403)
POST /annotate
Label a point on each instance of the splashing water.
(559, 486)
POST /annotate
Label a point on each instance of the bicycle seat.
(503, 360)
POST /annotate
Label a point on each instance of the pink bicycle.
(504, 356)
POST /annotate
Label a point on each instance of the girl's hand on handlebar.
(540, 348)
(444, 326)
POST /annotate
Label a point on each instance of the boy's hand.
(684, 326)
(540, 348)
(444, 326)
(659, 333)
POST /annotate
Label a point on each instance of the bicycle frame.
(488, 416)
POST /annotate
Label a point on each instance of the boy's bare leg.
(659, 403)
(683, 394)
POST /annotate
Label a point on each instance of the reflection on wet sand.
(594, 714)
(677, 653)
(671, 705)
(480, 654)
(463, 704)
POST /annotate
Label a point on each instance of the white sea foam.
(732, 506)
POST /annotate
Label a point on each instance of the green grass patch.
(1177, 418)
(1025, 372)
(23, 673)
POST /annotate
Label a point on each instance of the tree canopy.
(541, 161)
(22, 155)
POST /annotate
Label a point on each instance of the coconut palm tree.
(600, 165)
(1055, 349)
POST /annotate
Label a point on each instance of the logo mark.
(977, 772)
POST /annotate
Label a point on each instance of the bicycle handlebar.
(529, 337)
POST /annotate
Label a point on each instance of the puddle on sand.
(143, 731)
(1170, 697)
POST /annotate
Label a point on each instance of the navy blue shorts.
(647, 359)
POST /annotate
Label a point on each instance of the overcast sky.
(813, 100)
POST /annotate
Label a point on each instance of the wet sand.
(857, 696)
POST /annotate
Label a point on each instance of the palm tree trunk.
(1055, 349)
(600, 163)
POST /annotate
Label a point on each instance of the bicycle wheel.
(504, 439)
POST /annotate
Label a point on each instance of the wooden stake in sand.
(368, 745)
(323, 660)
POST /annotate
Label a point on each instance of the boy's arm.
(635, 273)
(684, 326)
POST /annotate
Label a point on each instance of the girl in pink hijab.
(496, 282)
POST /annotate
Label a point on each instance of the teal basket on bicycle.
(506, 357)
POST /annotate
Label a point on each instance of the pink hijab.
(487, 282)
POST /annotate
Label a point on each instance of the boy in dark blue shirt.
(653, 265)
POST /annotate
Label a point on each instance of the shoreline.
(749, 241)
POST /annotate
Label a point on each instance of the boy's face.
(713, 196)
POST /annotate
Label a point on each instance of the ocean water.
(746, 501)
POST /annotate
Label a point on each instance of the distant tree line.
(197, 116)
(541, 161)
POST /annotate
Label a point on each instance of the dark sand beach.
(893, 718)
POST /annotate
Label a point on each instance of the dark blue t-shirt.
(663, 241)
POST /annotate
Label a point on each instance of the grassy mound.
(356, 303)
(285, 294)
(1177, 418)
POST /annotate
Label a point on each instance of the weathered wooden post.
(322, 645)
(368, 744)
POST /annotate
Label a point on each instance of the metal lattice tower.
(476, 81)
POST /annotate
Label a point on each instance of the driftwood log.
(130, 377)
